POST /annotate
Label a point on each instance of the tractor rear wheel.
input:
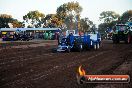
(115, 38)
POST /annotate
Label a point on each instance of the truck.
(122, 32)
(75, 42)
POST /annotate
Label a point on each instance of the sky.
(91, 8)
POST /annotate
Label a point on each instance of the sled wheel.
(98, 46)
(95, 47)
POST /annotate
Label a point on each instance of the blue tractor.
(79, 43)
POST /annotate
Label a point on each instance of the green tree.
(86, 24)
(17, 24)
(109, 19)
(109, 16)
(68, 13)
(4, 20)
(104, 26)
(126, 16)
(51, 20)
(34, 18)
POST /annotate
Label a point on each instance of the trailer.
(79, 43)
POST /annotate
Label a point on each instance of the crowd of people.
(30, 35)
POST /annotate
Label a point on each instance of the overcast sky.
(91, 8)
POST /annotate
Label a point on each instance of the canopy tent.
(33, 29)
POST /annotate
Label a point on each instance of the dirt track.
(38, 67)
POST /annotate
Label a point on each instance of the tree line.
(67, 16)
(111, 18)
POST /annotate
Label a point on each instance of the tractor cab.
(121, 27)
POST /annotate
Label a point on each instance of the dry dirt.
(38, 67)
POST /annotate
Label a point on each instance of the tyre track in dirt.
(48, 72)
(123, 68)
(95, 67)
(60, 64)
(72, 63)
(62, 56)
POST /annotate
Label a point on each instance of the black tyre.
(115, 38)
(95, 46)
(69, 50)
(54, 50)
(127, 39)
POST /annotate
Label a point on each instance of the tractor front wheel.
(129, 39)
